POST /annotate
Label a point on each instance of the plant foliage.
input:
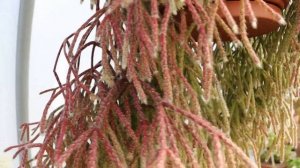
(160, 96)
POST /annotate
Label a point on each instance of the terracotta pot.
(266, 22)
(280, 3)
(266, 165)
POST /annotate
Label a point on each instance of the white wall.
(8, 30)
(53, 21)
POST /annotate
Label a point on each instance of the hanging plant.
(167, 90)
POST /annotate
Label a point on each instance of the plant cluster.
(156, 96)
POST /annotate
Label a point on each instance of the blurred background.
(27, 60)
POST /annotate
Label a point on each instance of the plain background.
(53, 20)
(8, 31)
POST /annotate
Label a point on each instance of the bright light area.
(9, 11)
(53, 21)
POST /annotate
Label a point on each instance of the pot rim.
(282, 4)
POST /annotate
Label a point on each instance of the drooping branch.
(158, 96)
